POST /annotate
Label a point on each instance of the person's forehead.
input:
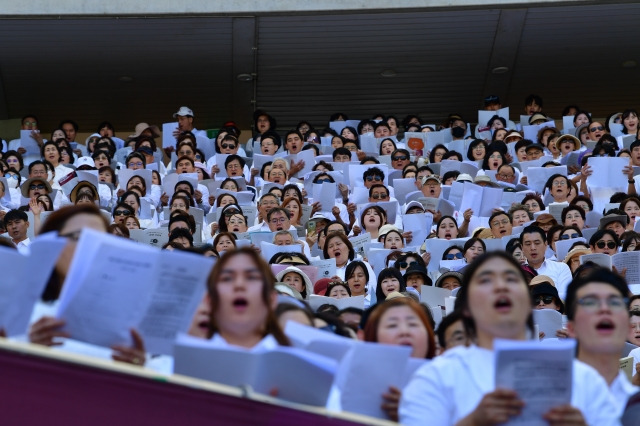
(598, 288)
(532, 236)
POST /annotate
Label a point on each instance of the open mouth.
(503, 304)
(240, 303)
(605, 326)
(447, 236)
(336, 254)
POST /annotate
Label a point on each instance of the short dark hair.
(181, 233)
(446, 322)
(15, 215)
(533, 98)
(73, 123)
(600, 275)
(533, 229)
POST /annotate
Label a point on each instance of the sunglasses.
(121, 213)
(38, 186)
(566, 237)
(547, 300)
(593, 129)
(379, 196)
(452, 256)
(400, 158)
(323, 180)
(225, 146)
(609, 244)
(372, 178)
(403, 264)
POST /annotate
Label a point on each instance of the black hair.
(388, 273)
(599, 275)
(533, 229)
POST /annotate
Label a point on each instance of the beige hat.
(542, 279)
(537, 117)
(486, 180)
(576, 142)
(385, 229)
(578, 251)
(24, 188)
(141, 127)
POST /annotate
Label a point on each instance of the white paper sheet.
(29, 143)
(167, 134)
(541, 374)
(548, 322)
(420, 226)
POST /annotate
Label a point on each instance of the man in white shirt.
(29, 122)
(267, 202)
(17, 224)
(534, 244)
(599, 319)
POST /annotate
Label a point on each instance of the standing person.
(459, 388)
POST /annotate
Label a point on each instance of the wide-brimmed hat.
(141, 127)
(576, 142)
(73, 196)
(24, 188)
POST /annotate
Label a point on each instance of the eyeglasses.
(610, 244)
(323, 180)
(500, 222)
(277, 220)
(121, 213)
(400, 158)
(547, 300)
(12, 177)
(372, 178)
(233, 166)
(229, 146)
(378, 196)
(569, 236)
(138, 164)
(30, 123)
(37, 186)
(559, 183)
(452, 256)
(593, 129)
(592, 303)
(503, 176)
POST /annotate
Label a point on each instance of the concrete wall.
(66, 8)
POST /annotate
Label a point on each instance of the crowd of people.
(213, 196)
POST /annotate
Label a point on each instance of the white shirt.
(23, 246)
(559, 272)
(452, 385)
(621, 389)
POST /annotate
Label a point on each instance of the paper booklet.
(115, 285)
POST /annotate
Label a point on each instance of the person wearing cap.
(534, 245)
(534, 151)
(416, 276)
(450, 280)
(185, 124)
(83, 191)
(544, 294)
(431, 186)
(599, 320)
(492, 103)
(145, 129)
(147, 146)
(566, 144)
(32, 188)
(17, 223)
(614, 222)
(572, 259)
(538, 118)
(296, 279)
(484, 180)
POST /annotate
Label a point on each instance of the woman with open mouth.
(242, 295)
(459, 388)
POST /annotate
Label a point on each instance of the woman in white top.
(243, 298)
(53, 154)
(458, 387)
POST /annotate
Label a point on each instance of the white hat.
(464, 177)
(84, 161)
(412, 204)
(183, 111)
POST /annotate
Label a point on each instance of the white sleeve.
(426, 397)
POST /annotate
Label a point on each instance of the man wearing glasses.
(598, 313)
(596, 131)
(400, 158)
(500, 224)
(534, 245)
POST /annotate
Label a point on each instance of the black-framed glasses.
(592, 303)
(609, 244)
(121, 213)
(400, 158)
(38, 186)
(593, 129)
(372, 178)
(452, 256)
(229, 146)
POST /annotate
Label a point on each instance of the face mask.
(457, 132)
(13, 183)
